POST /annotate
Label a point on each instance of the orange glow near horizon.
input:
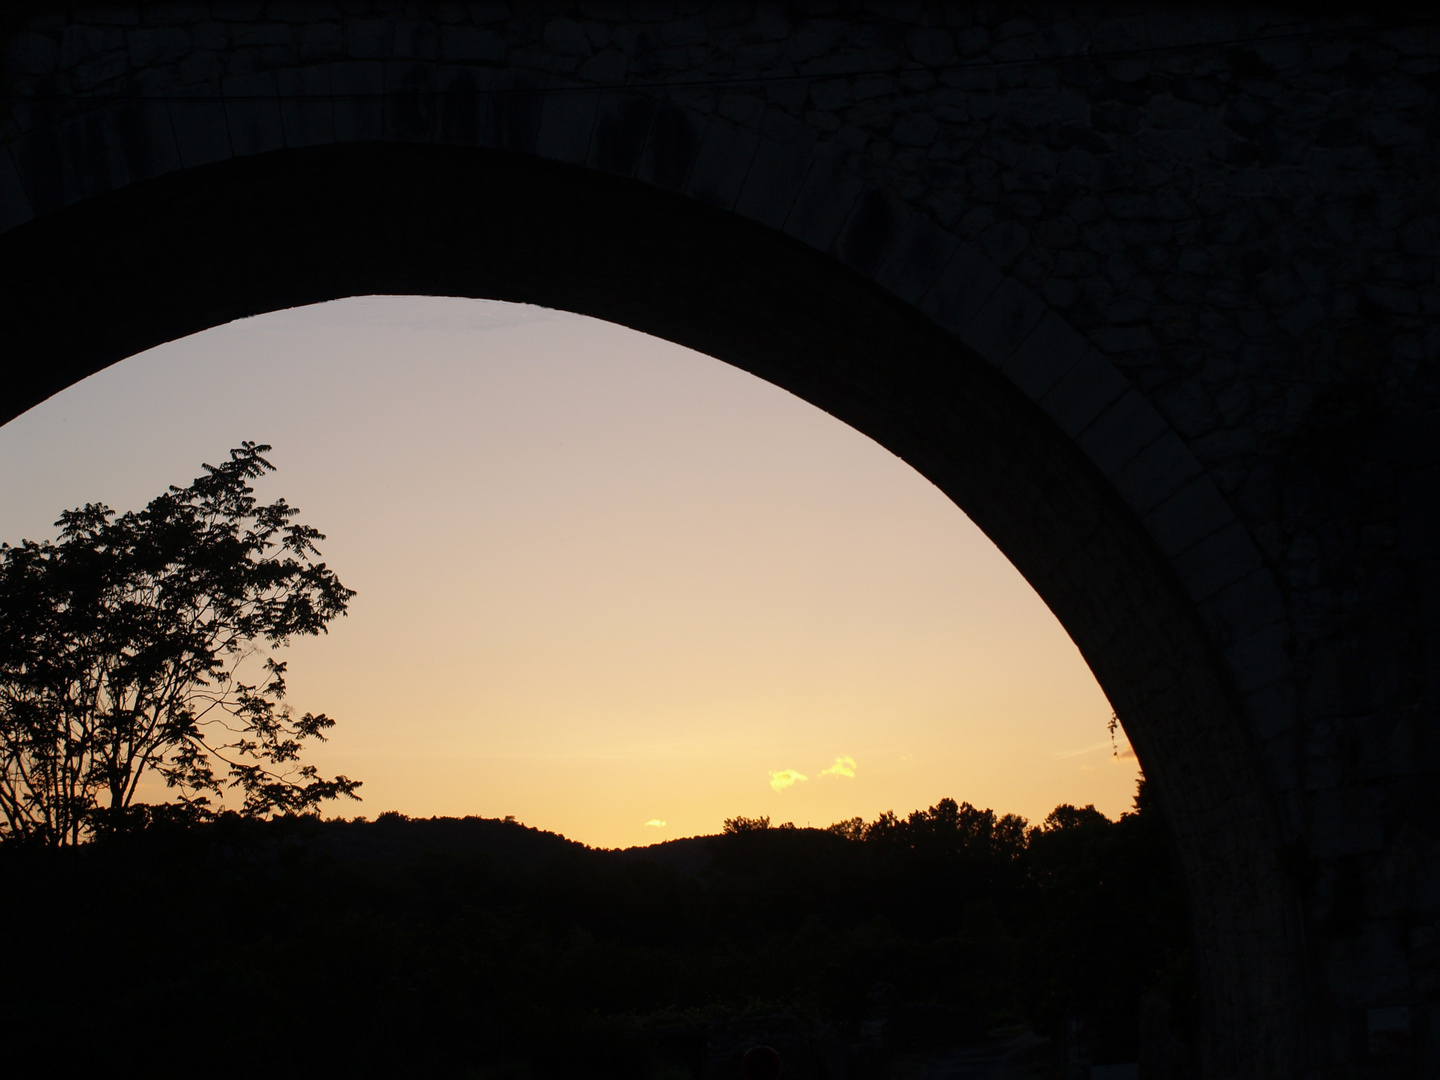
(607, 585)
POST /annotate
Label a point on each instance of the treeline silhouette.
(472, 947)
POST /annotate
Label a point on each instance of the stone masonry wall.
(1233, 212)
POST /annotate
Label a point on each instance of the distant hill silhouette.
(393, 838)
(484, 947)
(690, 855)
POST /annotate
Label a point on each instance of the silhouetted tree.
(121, 652)
(741, 824)
(851, 828)
(950, 839)
(1108, 920)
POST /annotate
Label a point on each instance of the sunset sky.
(613, 587)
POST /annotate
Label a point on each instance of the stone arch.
(165, 167)
(816, 200)
(117, 273)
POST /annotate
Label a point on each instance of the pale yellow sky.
(604, 582)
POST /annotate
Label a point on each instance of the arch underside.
(109, 277)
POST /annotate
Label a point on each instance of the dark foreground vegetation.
(478, 948)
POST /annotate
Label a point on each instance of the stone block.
(1346, 821)
(470, 43)
(89, 74)
(415, 39)
(567, 125)
(1045, 356)
(238, 10)
(1060, 39)
(567, 37)
(410, 106)
(915, 129)
(15, 208)
(320, 41)
(252, 109)
(1259, 659)
(671, 147)
(358, 93)
(76, 159)
(161, 45)
(302, 11)
(1190, 515)
(684, 31)
(932, 47)
(606, 68)
(1084, 393)
(368, 39)
(1383, 977)
(1271, 710)
(32, 54)
(1281, 763)
(1157, 473)
(116, 15)
(167, 12)
(1222, 558)
(512, 114)
(963, 288)
(460, 107)
(1245, 607)
(870, 86)
(874, 225)
(815, 39)
(917, 258)
(306, 114)
(201, 66)
(722, 164)
(489, 11)
(147, 138)
(251, 34)
(202, 130)
(826, 198)
(81, 43)
(853, 62)
(830, 95)
(1118, 339)
(1122, 430)
(1006, 318)
(622, 125)
(777, 173)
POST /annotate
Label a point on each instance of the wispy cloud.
(780, 779)
(844, 766)
(1086, 750)
(656, 822)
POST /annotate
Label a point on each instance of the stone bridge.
(1151, 294)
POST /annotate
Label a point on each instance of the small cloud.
(844, 766)
(656, 822)
(1080, 753)
(782, 778)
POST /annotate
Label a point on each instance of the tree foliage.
(451, 948)
(742, 824)
(143, 642)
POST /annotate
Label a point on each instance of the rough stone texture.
(1180, 264)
